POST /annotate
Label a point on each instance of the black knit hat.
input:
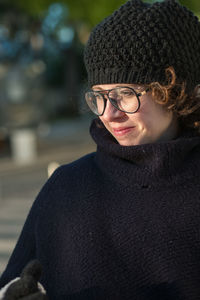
(139, 41)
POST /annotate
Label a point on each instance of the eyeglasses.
(123, 98)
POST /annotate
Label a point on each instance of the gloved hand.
(25, 287)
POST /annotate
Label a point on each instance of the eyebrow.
(98, 88)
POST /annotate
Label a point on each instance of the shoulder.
(68, 180)
(75, 168)
(69, 188)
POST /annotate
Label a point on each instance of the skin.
(150, 124)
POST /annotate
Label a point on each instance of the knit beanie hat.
(139, 41)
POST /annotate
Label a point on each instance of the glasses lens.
(125, 99)
(95, 102)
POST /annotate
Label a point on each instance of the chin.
(128, 143)
(133, 142)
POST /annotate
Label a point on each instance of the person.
(124, 222)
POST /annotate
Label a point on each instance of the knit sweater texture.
(120, 223)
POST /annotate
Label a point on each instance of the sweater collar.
(148, 165)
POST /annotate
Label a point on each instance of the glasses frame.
(104, 93)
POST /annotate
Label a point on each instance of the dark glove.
(26, 287)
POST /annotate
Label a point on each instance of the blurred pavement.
(19, 184)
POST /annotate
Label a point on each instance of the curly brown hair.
(175, 97)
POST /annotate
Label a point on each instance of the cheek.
(153, 112)
(152, 119)
(102, 120)
(106, 124)
(142, 119)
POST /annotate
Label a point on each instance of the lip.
(122, 130)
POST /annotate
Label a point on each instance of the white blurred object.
(23, 146)
(52, 166)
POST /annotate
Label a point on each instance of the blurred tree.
(193, 5)
(89, 12)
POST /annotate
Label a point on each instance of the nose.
(111, 113)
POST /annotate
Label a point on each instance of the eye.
(127, 92)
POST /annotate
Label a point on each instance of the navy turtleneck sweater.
(120, 223)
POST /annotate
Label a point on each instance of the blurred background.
(43, 117)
